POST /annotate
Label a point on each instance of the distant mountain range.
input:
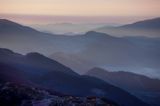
(81, 53)
(138, 54)
(149, 28)
(141, 86)
(67, 28)
(37, 70)
(9, 27)
(153, 24)
(73, 61)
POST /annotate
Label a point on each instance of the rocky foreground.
(20, 95)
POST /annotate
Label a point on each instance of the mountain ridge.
(138, 85)
(89, 47)
(147, 28)
(64, 81)
(149, 24)
(13, 26)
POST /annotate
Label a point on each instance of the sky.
(34, 11)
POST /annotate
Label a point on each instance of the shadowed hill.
(146, 88)
(148, 28)
(96, 49)
(50, 74)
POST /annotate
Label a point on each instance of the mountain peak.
(149, 24)
(6, 51)
(7, 22)
(97, 34)
(32, 54)
(4, 20)
(14, 28)
(37, 56)
(94, 33)
(97, 70)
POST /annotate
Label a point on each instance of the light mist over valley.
(83, 60)
(79, 53)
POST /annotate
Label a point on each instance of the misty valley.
(80, 64)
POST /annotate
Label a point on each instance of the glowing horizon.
(81, 8)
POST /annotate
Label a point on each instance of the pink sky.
(109, 11)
